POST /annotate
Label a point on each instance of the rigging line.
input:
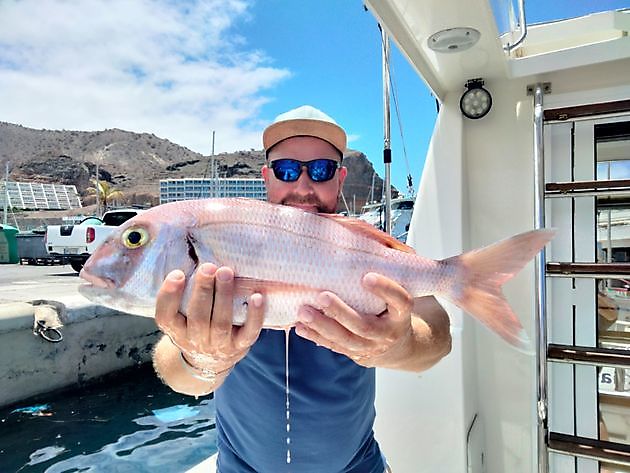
(398, 117)
(205, 173)
(395, 97)
(343, 197)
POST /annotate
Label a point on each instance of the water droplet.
(288, 406)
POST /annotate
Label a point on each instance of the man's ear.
(343, 172)
(265, 173)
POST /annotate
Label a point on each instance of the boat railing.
(513, 18)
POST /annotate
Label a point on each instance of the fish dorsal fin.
(369, 231)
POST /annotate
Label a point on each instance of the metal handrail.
(523, 27)
(582, 447)
(588, 186)
(541, 296)
(603, 188)
(560, 269)
(592, 356)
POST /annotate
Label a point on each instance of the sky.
(182, 69)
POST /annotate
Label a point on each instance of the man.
(332, 350)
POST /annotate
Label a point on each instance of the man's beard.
(310, 200)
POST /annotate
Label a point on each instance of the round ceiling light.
(453, 40)
(476, 101)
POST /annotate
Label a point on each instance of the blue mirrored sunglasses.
(319, 170)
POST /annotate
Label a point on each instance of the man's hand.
(206, 336)
(400, 337)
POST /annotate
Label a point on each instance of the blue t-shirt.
(331, 403)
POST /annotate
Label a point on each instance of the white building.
(36, 195)
(172, 190)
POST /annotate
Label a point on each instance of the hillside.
(135, 162)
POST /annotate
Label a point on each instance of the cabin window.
(612, 153)
(587, 165)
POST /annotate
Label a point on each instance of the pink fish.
(290, 256)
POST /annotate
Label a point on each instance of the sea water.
(129, 422)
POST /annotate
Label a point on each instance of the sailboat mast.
(387, 152)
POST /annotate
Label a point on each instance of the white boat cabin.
(552, 151)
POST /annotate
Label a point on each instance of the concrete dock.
(40, 305)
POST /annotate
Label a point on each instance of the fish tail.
(482, 272)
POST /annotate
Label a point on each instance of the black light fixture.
(476, 101)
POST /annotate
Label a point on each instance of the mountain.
(135, 162)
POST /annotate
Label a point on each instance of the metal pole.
(541, 315)
(213, 193)
(6, 193)
(387, 152)
(371, 197)
(98, 193)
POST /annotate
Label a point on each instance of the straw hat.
(304, 121)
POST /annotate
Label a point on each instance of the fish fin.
(482, 272)
(244, 286)
(369, 231)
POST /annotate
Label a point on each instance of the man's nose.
(304, 182)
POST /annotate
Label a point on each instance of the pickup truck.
(75, 243)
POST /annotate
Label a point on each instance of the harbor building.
(38, 196)
(172, 190)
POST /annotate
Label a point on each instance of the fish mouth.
(97, 281)
(118, 300)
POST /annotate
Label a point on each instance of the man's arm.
(431, 337)
(412, 334)
(199, 349)
(169, 367)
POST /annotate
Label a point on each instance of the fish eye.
(135, 237)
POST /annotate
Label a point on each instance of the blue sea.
(127, 422)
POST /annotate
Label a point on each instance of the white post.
(98, 193)
(6, 193)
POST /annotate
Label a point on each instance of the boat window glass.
(612, 151)
(612, 141)
(505, 14)
(116, 219)
(506, 11)
(405, 205)
(613, 468)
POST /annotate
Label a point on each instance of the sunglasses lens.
(321, 170)
(287, 170)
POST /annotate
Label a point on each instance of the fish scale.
(290, 255)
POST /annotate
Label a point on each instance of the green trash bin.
(8, 244)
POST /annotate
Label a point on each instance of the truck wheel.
(77, 265)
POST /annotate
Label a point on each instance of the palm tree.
(105, 192)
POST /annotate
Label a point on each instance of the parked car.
(76, 243)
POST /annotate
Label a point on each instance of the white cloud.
(174, 68)
(353, 138)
